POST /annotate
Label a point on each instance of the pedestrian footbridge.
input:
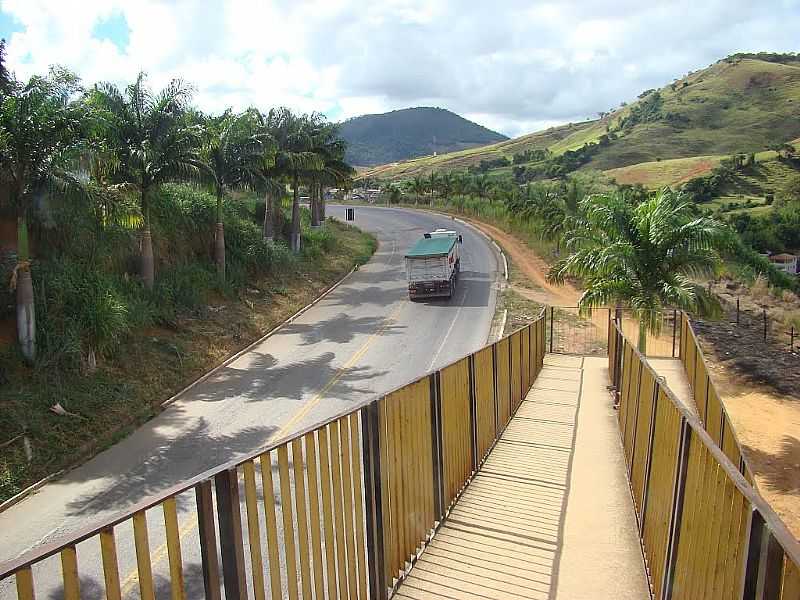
(512, 473)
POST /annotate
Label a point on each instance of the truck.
(433, 264)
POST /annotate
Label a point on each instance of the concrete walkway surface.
(549, 515)
(671, 369)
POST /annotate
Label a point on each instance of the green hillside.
(411, 132)
(743, 103)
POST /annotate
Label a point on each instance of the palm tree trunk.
(146, 268)
(314, 199)
(295, 236)
(219, 239)
(269, 217)
(321, 206)
(26, 314)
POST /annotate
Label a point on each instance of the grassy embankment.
(193, 325)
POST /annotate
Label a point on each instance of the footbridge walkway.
(512, 473)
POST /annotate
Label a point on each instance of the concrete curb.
(28, 491)
(16, 499)
(503, 322)
(249, 347)
(488, 237)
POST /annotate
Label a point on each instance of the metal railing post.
(229, 517)
(208, 540)
(436, 445)
(373, 497)
(764, 567)
(494, 389)
(473, 411)
(674, 330)
(755, 532)
(678, 496)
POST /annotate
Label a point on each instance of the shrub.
(184, 287)
(317, 242)
(78, 310)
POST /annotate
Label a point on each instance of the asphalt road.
(363, 339)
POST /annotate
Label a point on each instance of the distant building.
(785, 262)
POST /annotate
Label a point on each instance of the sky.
(513, 66)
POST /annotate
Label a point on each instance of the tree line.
(629, 247)
(104, 145)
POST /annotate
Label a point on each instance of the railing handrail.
(790, 544)
(44, 551)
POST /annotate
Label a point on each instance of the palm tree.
(331, 169)
(417, 186)
(644, 257)
(555, 210)
(446, 185)
(433, 184)
(153, 141)
(40, 131)
(233, 150)
(335, 169)
(460, 183)
(294, 156)
(481, 186)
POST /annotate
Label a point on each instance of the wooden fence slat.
(288, 522)
(170, 509)
(24, 581)
(387, 497)
(253, 530)
(314, 516)
(327, 514)
(144, 567)
(338, 508)
(69, 570)
(347, 492)
(108, 551)
(302, 516)
(268, 489)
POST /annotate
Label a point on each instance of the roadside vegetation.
(142, 243)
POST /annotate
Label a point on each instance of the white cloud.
(513, 66)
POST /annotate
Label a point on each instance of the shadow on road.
(341, 329)
(172, 461)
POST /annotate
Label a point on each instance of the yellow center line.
(300, 414)
(161, 552)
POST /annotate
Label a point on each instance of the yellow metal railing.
(709, 406)
(706, 533)
(339, 510)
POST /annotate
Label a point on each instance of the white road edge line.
(503, 323)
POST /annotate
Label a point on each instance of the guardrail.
(705, 532)
(346, 505)
(710, 408)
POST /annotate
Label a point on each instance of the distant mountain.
(403, 134)
(743, 103)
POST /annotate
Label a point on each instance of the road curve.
(363, 339)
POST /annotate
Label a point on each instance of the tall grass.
(88, 297)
